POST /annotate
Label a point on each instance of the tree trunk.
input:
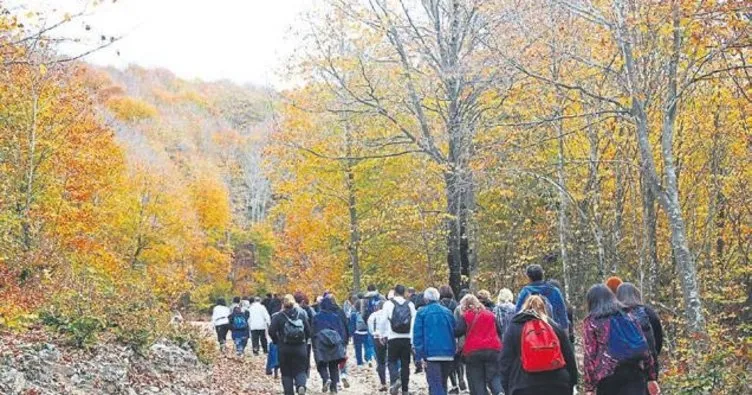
(649, 249)
(563, 212)
(354, 246)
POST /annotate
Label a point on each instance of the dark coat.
(330, 334)
(293, 358)
(515, 378)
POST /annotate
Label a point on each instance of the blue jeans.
(272, 359)
(437, 373)
(361, 342)
(240, 344)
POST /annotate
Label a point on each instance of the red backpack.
(541, 350)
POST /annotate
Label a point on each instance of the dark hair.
(463, 292)
(534, 272)
(221, 302)
(249, 298)
(236, 299)
(445, 292)
(629, 295)
(399, 290)
(299, 297)
(371, 287)
(269, 296)
(601, 302)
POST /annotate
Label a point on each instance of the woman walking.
(289, 331)
(482, 347)
(221, 320)
(651, 326)
(617, 358)
(537, 356)
(329, 343)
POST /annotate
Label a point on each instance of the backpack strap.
(472, 324)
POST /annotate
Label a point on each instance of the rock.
(11, 381)
(49, 353)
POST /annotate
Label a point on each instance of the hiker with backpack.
(617, 358)
(482, 347)
(504, 310)
(537, 357)
(361, 338)
(485, 299)
(553, 298)
(258, 321)
(456, 376)
(289, 331)
(400, 313)
(631, 298)
(434, 341)
(459, 360)
(221, 321)
(330, 338)
(239, 327)
(378, 329)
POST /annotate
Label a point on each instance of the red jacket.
(480, 334)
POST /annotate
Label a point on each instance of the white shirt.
(258, 318)
(378, 325)
(389, 308)
(219, 315)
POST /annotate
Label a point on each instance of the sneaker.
(301, 390)
(370, 364)
(326, 385)
(395, 388)
(383, 388)
(345, 383)
(454, 391)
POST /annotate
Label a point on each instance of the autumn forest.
(421, 142)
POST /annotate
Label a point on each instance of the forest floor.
(247, 375)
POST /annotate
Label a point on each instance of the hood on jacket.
(327, 304)
(539, 287)
(527, 315)
(370, 294)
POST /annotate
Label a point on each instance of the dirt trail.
(247, 375)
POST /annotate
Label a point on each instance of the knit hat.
(613, 283)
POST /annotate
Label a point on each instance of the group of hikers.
(469, 343)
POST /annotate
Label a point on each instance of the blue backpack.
(625, 339)
(239, 322)
(371, 305)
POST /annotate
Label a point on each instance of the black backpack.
(293, 332)
(401, 317)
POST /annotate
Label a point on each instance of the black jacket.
(278, 323)
(515, 378)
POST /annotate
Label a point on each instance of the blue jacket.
(433, 333)
(331, 317)
(554, 298)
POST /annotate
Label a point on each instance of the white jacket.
(220, 315)
(259, 318)
(389, 308)
(378, 325)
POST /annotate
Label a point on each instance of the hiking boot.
(325, 387)
(301, 390)
(345, 383)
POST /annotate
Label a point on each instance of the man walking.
(259, 321)
(400, 314)
(434, 342)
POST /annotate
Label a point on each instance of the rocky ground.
(35, 364)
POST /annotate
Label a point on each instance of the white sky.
(240, 40)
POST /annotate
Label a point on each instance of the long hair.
(537, 305)
(446, 292)
(288, 302)
(470, 303)
(629, 295)
(602, 302)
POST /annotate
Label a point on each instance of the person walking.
(553, 298)
(302, 300)
(221, 322)
(631, 298)
(361, 339)
(400, 313)
(537, 357)
(504, 310)
(434, 341)
(239, 327)
(378, 328)
(456, 378)
(259, 321)
(289, 331)
(330, 340)
(485, 299)
(570, 309)
(459, 360)
(617, 359)
(482, 347)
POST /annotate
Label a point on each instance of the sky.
(246, 41)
